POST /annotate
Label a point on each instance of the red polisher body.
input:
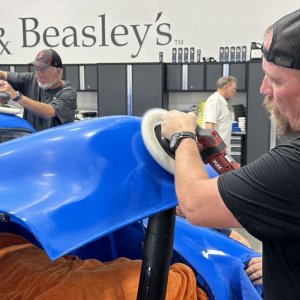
(213, 150)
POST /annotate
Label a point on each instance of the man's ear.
(59, 72)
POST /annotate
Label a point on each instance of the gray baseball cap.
(47, 58)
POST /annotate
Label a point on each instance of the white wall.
(205, 25)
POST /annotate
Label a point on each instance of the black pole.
(157, 254)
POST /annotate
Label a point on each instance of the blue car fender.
(75, 183)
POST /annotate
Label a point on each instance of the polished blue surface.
(82, 189)
(75, 183)
(218, 260)
(12, 121)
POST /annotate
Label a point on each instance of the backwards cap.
(285, 46)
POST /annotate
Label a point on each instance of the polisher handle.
(213, 150)
(4, 97)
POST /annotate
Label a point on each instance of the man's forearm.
(40, 109)
(198, 195)
(189, 169)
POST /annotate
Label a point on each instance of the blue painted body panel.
(82, 188)
(12, 121)
(78, 182)
(218, 260)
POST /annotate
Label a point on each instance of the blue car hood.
(75, 183)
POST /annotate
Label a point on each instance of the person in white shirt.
(217, 115)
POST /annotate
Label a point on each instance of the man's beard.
(282, 126)
(46, 86)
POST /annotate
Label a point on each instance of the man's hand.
(175, 121)
(255, 270)
(6, 87)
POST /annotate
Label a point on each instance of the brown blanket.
(27, 273)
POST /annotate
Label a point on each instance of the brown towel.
(27, 273)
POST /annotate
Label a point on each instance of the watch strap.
(177, 137)
(18, 97)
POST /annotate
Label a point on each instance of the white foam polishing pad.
(8, 109)
(155, 144)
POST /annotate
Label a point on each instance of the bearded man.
(263, 196)
(47, 100)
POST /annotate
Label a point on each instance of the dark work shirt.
(264, 196)
(63, 99)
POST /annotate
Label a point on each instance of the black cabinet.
(82, 77)
(90, 77)
(71, 73)
(130, 89)
(174, 77)
(195, 77)
(213, 72)
(112, 89)
(147, 88)
(200, 77)
(239, 71)
(258, 123)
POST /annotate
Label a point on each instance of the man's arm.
(42, 110)
(198, 195)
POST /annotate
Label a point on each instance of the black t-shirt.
(62, 99)
(264, 196)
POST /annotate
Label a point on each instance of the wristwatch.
(18, 97)
(177, 137)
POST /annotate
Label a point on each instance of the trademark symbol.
(178, 42)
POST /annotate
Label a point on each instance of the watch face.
(174, 140)
(18, 97)
(178, 136)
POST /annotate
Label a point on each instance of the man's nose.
(265, 88)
